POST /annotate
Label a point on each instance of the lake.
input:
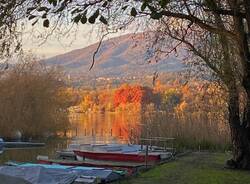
(87, 128)
(190, 133)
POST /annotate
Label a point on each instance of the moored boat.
(138, 156)
(88, 162)
(122, 152)
(59, 174)
(115, 152)
(129, 167)
(18, 145)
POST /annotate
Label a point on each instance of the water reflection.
(87, 128)
(126, 127)
(30, 154)
(107, 127)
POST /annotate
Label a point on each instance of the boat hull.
(130, 169)
(123, 157)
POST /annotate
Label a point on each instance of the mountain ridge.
(119, 56)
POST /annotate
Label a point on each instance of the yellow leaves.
(185, 90)
(181, 107)
(158, 86)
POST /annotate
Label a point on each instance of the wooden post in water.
(111, 133)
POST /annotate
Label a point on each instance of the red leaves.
(132, 94)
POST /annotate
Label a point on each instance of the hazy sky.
(33, 40)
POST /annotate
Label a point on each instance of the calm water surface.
(87, 128)
(124, 128)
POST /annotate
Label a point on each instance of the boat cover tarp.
(39, 175)
(5, 179)
(57, 166)
(106, 175)
(123, 148)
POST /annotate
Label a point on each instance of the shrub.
(32, 101)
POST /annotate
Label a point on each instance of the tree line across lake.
(36, 102)
(172, 97)
(195, 113)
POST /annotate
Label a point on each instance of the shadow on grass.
(195, 168)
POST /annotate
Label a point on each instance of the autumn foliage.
(139, 95)
(175, 98)
(34, 101)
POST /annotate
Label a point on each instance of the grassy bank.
(195, 168)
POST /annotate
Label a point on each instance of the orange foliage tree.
(139, 95)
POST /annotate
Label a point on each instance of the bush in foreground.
(32, 101)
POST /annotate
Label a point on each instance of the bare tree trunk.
(239, 134)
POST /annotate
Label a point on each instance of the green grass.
(195, 168)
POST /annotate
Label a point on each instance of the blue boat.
(17, 145)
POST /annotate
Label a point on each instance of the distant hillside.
(121, 56)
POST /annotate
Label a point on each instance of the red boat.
(120, 157)
(130, 167)
(90, 163)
